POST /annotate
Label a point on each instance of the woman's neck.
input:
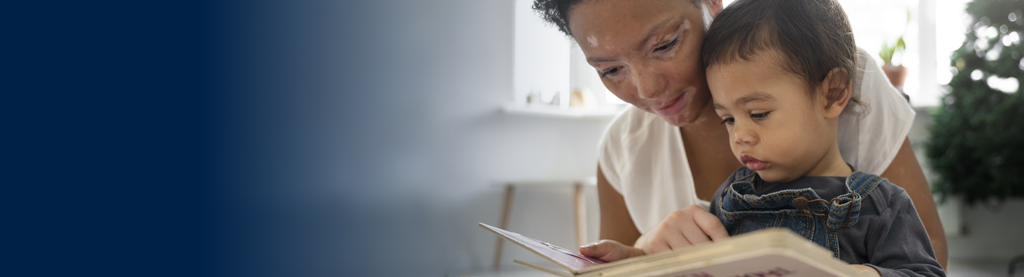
(707, 121)
(706, 143)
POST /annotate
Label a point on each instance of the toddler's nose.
(743, 135)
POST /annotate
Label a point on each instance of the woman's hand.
(610, 250)
(682, 228)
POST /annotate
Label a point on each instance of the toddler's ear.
(836, 88)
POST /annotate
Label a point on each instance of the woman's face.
(647, 53)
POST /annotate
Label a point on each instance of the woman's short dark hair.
(813, 37)
(557, 11)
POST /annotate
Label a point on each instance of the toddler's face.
(775, 127)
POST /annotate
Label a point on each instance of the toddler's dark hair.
(813, 37)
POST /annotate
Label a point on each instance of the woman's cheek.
(621, 90)
(692, 74)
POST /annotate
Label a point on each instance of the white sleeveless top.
(643, 158)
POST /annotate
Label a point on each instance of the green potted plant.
(897, 73)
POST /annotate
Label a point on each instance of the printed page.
(566, 258)
(761, 265)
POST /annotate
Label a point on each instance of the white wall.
(541, 57)
(502, 147)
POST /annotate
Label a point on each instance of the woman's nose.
(648, 84)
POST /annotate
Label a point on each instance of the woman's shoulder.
(631, 124)
(635, 137)
(871, 133)
(631, 119)
(873, 89)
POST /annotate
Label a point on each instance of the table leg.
(580, 208)
(505, 211)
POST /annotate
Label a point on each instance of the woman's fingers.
(610, 251)
(681, 229)
(674, 240)
(695, 234)
(710, 225)
(657, 246)
(651, 242)
(663, 237)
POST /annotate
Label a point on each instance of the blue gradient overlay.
(262, 138)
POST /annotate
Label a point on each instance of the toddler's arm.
(898, 244)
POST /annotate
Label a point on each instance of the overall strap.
(744, 174)
(845, 209)
(863, 183)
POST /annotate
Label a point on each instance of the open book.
(770, 252)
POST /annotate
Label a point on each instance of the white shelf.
(564, 113)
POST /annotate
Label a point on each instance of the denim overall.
(800, 210)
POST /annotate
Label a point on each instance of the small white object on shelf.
(540, 110)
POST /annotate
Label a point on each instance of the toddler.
(780, 74)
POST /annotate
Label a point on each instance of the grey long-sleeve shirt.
(889, 235)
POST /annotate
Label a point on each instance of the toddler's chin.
(774, 176)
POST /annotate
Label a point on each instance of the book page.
(569, 259)
(761, 265)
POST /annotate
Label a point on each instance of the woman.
(651, 195)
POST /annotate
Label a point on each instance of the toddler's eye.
(759, 116)
(728, 121)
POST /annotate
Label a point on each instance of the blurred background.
(338, 138)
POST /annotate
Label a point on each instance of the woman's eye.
(728, 121)
(609, 72)
(667, 45)
(759, 116)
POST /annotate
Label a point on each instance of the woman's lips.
(752, 163)
(672, 107)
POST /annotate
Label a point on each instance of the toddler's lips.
(753, 163)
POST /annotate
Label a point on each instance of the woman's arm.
(616, 224)
(905, 171)
(617, 230)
